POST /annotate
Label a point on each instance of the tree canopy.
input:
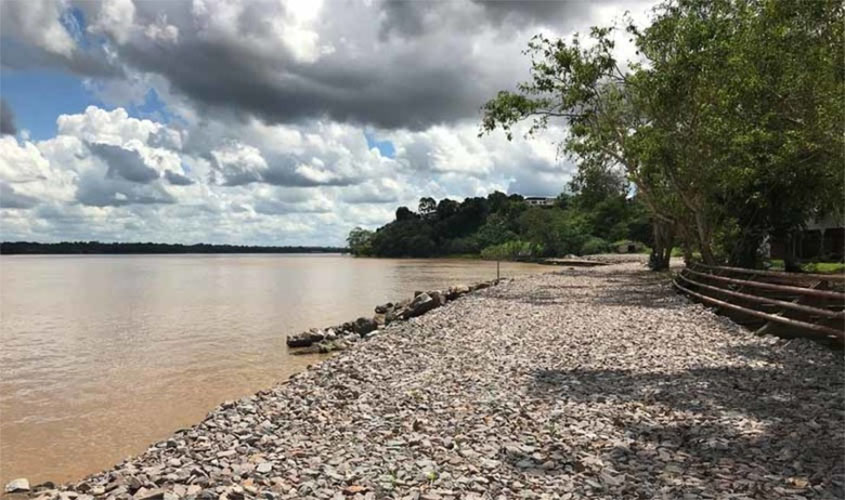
(585, 221)
(729, 125)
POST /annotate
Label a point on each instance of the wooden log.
(839, 277)
(826, 294)
(824, 330)
(760, 299)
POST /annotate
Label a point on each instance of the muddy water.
(102, 355)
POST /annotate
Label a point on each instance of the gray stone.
(363, 326)
(17, 485)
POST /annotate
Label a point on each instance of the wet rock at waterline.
(363, 326)
(337, 338)
(18, 485)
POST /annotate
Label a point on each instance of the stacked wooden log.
(780, 303)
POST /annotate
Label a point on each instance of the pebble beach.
(578, 383)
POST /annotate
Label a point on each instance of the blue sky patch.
(385, 147)
(38, 97)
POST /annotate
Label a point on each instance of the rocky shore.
(585, 383)
(335, 338)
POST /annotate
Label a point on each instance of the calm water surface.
(102, 355)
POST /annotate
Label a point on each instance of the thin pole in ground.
(497, 270)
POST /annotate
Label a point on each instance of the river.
(101, 356)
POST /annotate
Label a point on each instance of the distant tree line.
(96, 247)
(596, 217)
(729, 124)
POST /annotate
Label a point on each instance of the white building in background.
(539, 201)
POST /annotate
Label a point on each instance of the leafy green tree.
(427, 208)
(360, 241)
(447, 208)
(404, 213)
(730, 130)
(495, 231)
(585, 87)
(479, 223)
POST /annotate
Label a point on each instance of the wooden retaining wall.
(779, 303)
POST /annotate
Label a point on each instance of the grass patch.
(824, 267)
(811, 267)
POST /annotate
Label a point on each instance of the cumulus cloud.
(7, 119)
(261, 137)
(125, 163)
(177, 179)
(37, 22)
(9, 198)
(98, 191)
(391, 64)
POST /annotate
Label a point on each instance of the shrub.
(512, 250)
(628, 246)
(594, 245)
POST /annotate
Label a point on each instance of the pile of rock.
(602, 384)
(339, 337)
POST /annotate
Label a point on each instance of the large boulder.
(382, 309)
(363, 326)
(17, 485)
(438, 297)
(482, 285)
(305, 339)
(421, 304)
(456, 291)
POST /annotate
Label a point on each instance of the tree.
(427, 208)
(447, 208)
(586, 88)
(360, 241)
(404, 213)
(729, 131)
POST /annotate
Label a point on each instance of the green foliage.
(824, 267)
(504, 223)
(360, 241)
(629, 246)
(594, 245)
(730, 130)
(513, 250)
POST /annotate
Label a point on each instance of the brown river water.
(101, 356)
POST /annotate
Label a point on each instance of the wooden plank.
(782, 303)
(769, 325)
(827, 294)
(830, 332)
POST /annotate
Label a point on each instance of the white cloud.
(272, 184)
(161, 31)
(115, 18)
(266, 104)
(37, 22)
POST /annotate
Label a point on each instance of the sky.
(267, 121)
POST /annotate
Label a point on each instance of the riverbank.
(596, 383)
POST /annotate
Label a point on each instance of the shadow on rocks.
(623, 288)
(761, 432)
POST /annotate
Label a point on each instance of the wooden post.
(497, 270)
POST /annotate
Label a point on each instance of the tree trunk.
(747, 252)
(790, 262)
(662, 251)
(704, 239)
(688, 258)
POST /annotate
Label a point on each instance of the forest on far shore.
(96, 247)
(594, 215)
